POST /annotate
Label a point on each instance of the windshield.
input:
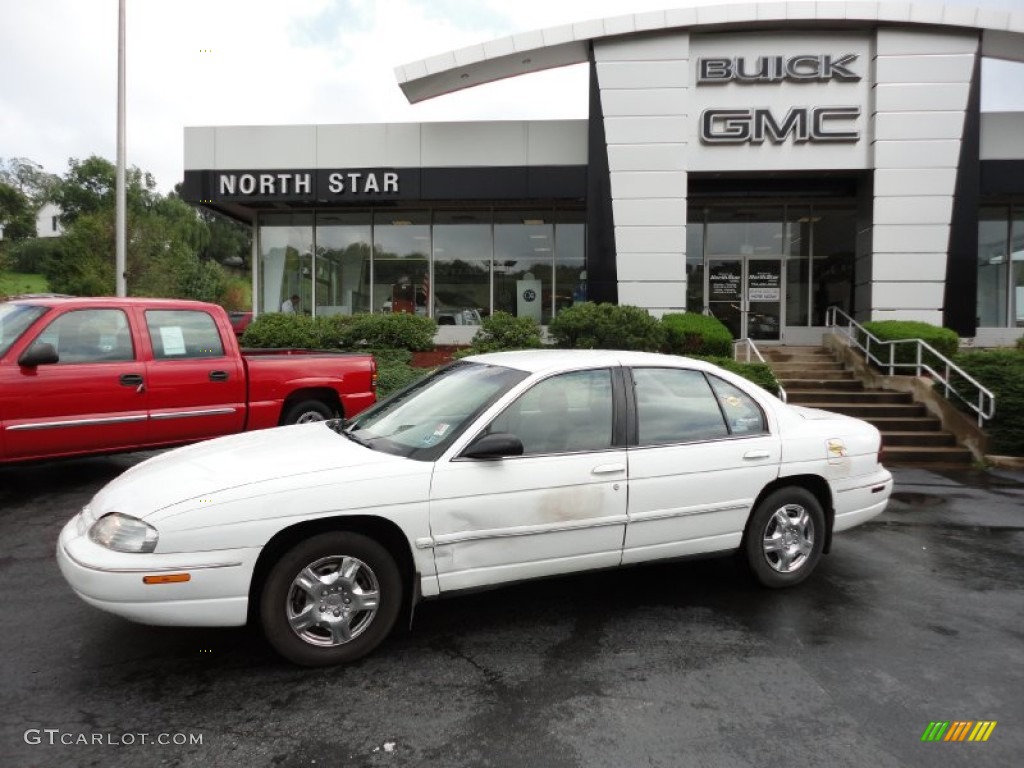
(422, 420)
(14, 319)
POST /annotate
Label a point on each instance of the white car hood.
(199, 470)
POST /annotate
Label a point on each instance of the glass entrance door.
(745, 293)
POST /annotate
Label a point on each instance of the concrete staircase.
(910, 435)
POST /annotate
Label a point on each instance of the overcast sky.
(256, 62)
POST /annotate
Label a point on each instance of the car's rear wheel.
(785, 536)
(331, 599)
(307, 411)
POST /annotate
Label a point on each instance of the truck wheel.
(331, 599)
(785, 536)
(306, 411)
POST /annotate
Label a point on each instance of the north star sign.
(336, 183)
(757, 125)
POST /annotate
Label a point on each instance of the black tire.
(306, 411)
(318, 637)
(797, 534)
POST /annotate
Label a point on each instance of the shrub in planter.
(607, 326)
(759, 373)
(503, 331)
(695, 334)
(943, 340)
(393, 331)
(274, 330)
(1002, 372)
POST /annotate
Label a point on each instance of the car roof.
(553, 360)
(85, 301)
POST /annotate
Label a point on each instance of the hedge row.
(610, 326)
(1002, 372)
(389, 331)
(943, 340)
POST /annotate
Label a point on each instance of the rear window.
(179, 334)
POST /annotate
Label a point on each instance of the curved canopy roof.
(1003, 37)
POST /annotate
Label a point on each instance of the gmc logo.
(755, 126)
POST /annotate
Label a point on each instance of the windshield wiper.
(356, 438)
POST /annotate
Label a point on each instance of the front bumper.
(216, 594)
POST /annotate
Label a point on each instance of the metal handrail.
(751, 347)
(986, 405)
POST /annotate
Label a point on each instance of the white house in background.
(48, 221)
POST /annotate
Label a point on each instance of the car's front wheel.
(307, 411)
(331, 599)
(785, 536)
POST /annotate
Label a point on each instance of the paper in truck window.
(173, 340)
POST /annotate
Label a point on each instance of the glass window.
(742, 414)
(834, 234)
(14, 321)
(1017, 265)
(695, 260)
(423, 419)
(566, 413)
(676, 406)
(401, 262)
(183, 333)
(462, 267)
(90, 336)
(286, 262)
(523, 264)
(570, 260)
(343, 265)
(745, 231)
(798, 265)
(993, 230)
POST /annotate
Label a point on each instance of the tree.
(29, 178)
(17, 216)
(89, 187)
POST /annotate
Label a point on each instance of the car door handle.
(606, 469)
(757, 455)
(218, 375)
(131, 380)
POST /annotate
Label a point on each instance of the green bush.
(758, 373)
(691, 333)
(1002, 372)
(394, 370)
(607, 326)
(943, 340)
(274, 330)
(503, 331)
(393, 331)
(1020, 343)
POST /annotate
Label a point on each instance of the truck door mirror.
(39, 353)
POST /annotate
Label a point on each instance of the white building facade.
(759, 162)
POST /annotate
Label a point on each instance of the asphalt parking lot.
(913, 618)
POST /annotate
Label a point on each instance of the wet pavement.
(915, 617)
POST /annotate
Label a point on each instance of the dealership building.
(761, 162)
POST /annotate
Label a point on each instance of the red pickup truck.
(97, 375)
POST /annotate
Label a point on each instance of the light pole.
(121, 224)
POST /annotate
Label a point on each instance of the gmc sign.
(755, 126)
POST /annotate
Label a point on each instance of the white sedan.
(495, 469)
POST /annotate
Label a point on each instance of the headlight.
(123, 533)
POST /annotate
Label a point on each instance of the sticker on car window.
(173, 340)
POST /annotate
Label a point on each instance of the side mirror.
(39, 353)
(494, 446)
